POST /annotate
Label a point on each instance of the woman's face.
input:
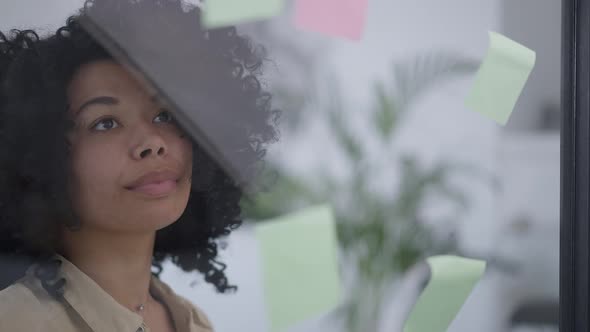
(122, 134)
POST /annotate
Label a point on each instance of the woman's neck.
(121, 265)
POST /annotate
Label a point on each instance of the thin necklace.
(141, 307)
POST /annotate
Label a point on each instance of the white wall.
(46, 16)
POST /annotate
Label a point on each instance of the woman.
(98, 183)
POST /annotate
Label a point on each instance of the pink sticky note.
(343, 18)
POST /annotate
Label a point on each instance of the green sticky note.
(300, 265)
(501, 78)
(451, 281)
(219, 13)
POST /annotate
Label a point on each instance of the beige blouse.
(26, 306)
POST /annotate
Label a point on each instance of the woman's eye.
(109, 123)
(169, 116)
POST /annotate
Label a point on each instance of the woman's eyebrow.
(157, 100)
(102, 100)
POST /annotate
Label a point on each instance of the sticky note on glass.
(340, 18)
(219, 13)
(300, 265)
(501, 78)
(452, 279)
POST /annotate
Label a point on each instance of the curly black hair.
(34, 150)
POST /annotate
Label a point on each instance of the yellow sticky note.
(501, 78)
(300, 269)
(219, 13)
(452, 279)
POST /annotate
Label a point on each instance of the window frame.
(575, 167)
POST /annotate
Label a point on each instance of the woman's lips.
(157, 189)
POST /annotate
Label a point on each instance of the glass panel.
(377, 127)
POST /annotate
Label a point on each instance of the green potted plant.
(381, 236)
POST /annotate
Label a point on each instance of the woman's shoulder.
(18, 295)
(21, 307)
(198, 315)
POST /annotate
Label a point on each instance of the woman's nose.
(152, 144)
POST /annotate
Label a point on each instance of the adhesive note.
(300, 269)
(501, 78)
(452, 280)
(340, 18)
(219, 13)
